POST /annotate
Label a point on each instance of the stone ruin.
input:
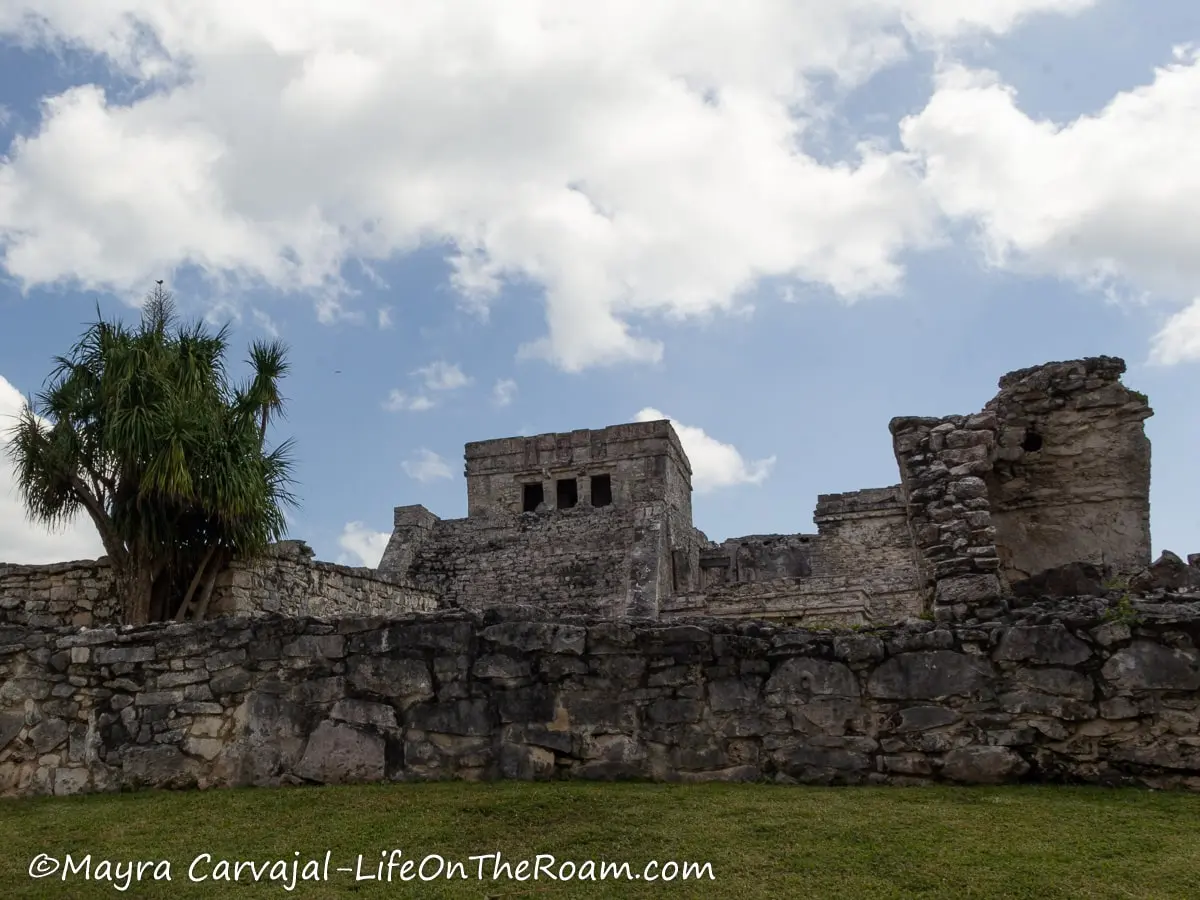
(1043, 492)
(1054, 472)
(991, 618)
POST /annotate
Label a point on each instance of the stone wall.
(67, 593)
(289, 582)
(1078, 693)
(286, 581)
(941, 464)
(612, 561)
(812, 601)
(860, 568)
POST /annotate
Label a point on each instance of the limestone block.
(1045, 644)
(1144, 665)
(929, 675)
(338, 754)
(805, 677)
(983, 765)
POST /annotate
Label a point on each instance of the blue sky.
(779, 227)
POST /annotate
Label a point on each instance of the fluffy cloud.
(362, 546)
(425, 466)
(442, 376)
(504, 392)
(1179, 339)
(436, 377)
(1108, 200)
(20, 540)
(628, 160)
(714, 465)
(398, 401)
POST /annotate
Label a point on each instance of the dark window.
(1032, 442)
(601, 490)
(568, 493)
(531, 497)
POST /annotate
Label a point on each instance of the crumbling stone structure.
(1054, 471)
(600, 522)
(580, 522)
(598, 634)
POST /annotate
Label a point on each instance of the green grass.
(762, 840)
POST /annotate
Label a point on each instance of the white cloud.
(21, 541)
(714, 465)
(442, 376)
(265, 322)
(398, 401)
(1179, 339)
(1108, 200)
(437, 376)
(504, 392)
(629, 160)
(385, 317)
(426, 466)
(362, 546)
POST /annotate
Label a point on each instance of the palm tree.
(142, 429)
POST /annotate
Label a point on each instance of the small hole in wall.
(1032, 442)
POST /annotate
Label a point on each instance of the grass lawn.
(762, 840)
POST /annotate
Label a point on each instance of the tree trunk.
(135, 586)
(182, 612)
(210, 582)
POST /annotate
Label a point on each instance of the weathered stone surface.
(1049, 644)
(1048, 692)
(806, 677)
(525, 762)
(338, 754)
(286, 581)
(1167, 573)
(971, 590)
(1065, 682)
(921, 718)
(360, 712)
(408, 678)
(48, 734)
(983, 765)
(467, 717)
(929, 676)
(1045, 489)
(11, 724)
(1149, 666)
(1074, 579)
(160, 766)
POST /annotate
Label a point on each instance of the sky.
(778, 224)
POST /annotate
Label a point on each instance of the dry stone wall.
(1086, 692)
(285, 581)
(860, 568)
(611, 561)
(67, 593)
(941, 464)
